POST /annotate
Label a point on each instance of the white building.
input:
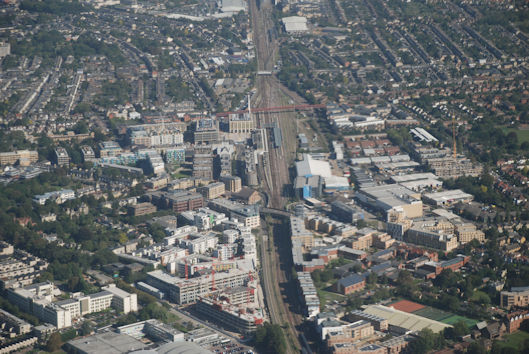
(295, 24)
(122, 300)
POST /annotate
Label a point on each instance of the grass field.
(456, 318)
(326, 296)
(523, 135)
(515, 340)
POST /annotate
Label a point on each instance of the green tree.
(476, 348)
(269, 338)
(54, 343)
(86, 328)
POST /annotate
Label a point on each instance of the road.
(274, 166)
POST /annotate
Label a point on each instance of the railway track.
(274, 168)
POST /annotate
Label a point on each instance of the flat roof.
(409, 321)
(107, 343)
(448, 195)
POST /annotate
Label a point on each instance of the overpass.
(278, 109)
(275, 212)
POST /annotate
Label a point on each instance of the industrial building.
(295, 24)
(391, 198)
(448, 197)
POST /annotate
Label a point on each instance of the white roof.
(233, 5)
(336, 182)
(295, 24)
(403, 319)
(311, 167)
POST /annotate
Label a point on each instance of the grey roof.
(351, 280)
(107, 343)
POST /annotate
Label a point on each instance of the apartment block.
(467, 232)
(61, 157)
(235, 317)
(231, 183)
(121, 300)
(18, 268)
(141, 209)
(213, 190)
(206, 131)
(186, 291)
(436, 239)
(518, 296)
(24, 157)
(9, 322)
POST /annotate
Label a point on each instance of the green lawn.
(326, 296)
(514, 340)
(523, 135)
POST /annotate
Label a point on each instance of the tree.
(476, 348)
(269, 338)
(54, 343)
(86, 328)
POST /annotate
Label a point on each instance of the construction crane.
(213, 277)
(454, 135)
(250, 290)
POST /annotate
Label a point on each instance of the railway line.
(273, 168)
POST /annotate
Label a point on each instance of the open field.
(523, 134)
(326, 296)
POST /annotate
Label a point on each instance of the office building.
(345, 213)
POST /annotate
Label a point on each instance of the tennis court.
(456, 318)
(407, 306)
(433, 313)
